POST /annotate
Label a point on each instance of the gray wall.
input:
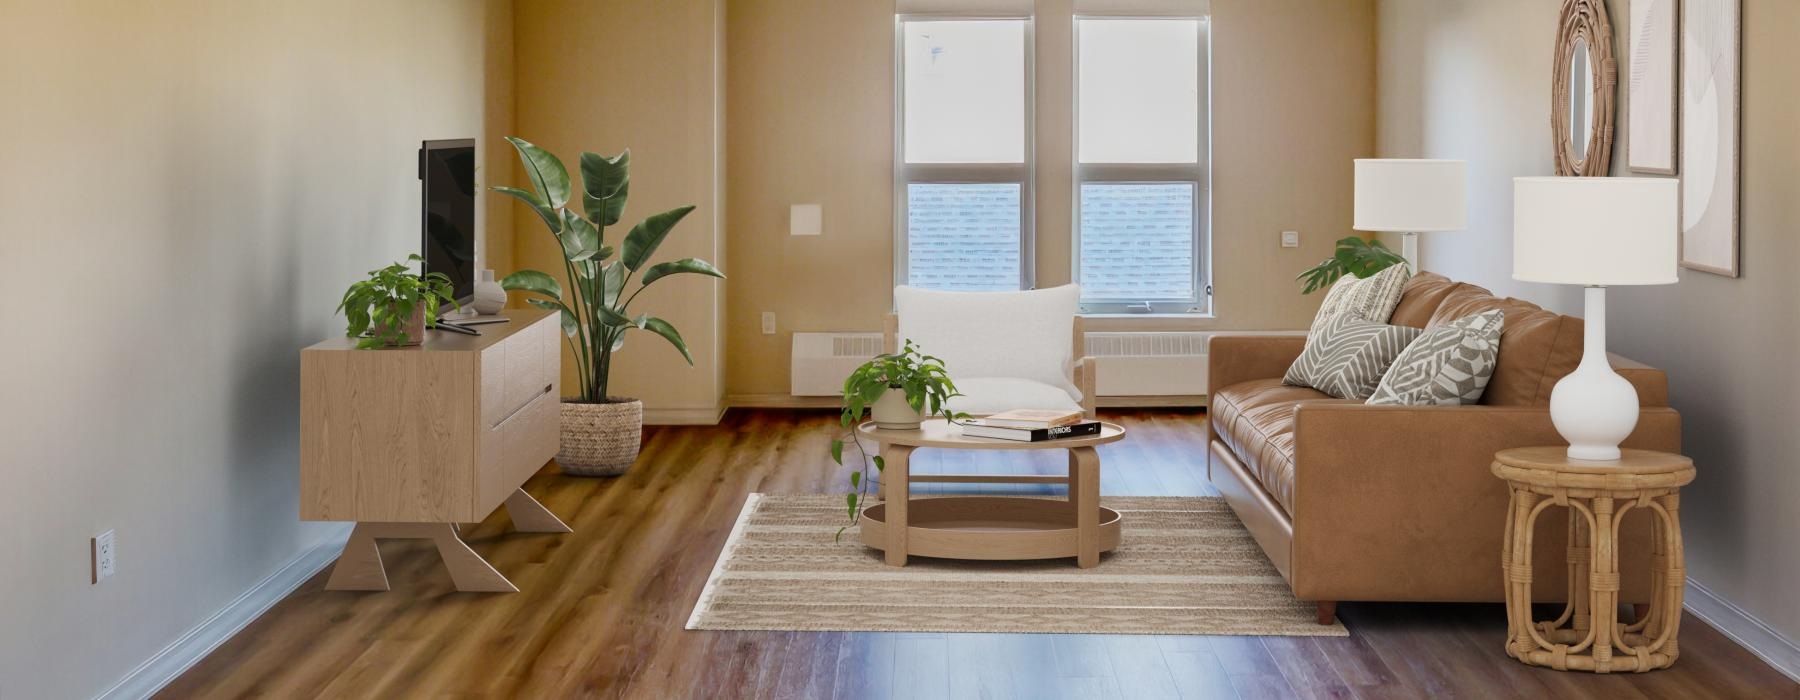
(1470, 79)
(186, 187)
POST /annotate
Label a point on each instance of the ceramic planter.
(893, 413)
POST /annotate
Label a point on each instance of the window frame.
(1023, 174)
(1197, 173)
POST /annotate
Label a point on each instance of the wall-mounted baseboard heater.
(1130, 363)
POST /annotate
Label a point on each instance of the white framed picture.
(1709, 135)
(1650, 125)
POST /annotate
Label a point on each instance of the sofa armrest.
(1377, 486)
(1233, 359)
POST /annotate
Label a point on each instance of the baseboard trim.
(1742, 627)
(780, 401)
(1172, 401)
(201, 639)
(684, 416)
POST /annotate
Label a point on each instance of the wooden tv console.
(408, 442)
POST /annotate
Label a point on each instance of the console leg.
(359, 567)
(1327, 612)
(528, 515)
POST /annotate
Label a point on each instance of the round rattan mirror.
(1583, 79)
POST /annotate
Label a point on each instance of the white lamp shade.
(1411, 195)
(1595, 230)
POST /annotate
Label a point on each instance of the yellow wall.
(643, 74)
(186, 188)
(811, 119)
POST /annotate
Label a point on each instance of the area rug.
(1184, 565)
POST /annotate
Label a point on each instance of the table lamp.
(1409, 196)
(1598, 232)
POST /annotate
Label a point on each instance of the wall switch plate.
(768, 323)
(105, 555)
(1290, 239)
(806, 219)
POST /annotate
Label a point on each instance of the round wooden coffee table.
(988, 527)
(1588, 635)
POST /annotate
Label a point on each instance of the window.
(964, 173)
(1140, 171)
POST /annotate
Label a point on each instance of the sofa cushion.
(1255, 420)
(1347, 357)
(1537, 347)
(985, 396)
(1449, 365)
(1370, 299)
(1421, 296)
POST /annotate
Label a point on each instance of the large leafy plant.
(383, 304)
(1354, 256)
(596, 311)
(927, 386)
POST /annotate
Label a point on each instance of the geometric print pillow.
(1447, 366)
(1348, 357)
(1371, 299)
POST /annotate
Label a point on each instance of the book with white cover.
(1032, 418)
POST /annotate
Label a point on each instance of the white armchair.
(1004, 350)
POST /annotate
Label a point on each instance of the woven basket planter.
(600, 439)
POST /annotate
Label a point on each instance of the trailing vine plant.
(928, 388)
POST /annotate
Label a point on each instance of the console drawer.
(518, 369)
(516, 448)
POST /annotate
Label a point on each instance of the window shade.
(1023, 8)
(1143, 7)
(993, 8)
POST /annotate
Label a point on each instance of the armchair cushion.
(1021, 335)
(983, 396)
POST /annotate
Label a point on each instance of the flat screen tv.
(447, 179)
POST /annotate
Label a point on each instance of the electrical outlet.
(768, 323)
(1290, 239)
(105, 551)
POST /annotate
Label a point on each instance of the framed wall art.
(1709, 135)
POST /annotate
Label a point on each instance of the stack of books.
(1029, 425)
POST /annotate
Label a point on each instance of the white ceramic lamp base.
(1594, 408)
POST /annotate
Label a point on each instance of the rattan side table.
(1588, 635)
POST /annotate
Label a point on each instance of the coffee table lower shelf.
(998, 528)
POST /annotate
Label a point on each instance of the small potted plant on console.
(394, 306)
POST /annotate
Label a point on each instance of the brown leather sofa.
(1396, 503)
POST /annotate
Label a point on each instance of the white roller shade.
(992, 8)
(1143, 7)
(1023, 8)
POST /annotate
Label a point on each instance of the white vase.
(892, 412)
(490, 297)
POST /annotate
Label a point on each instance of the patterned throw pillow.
(1348, 357)
(1447, 366)
(1371, 299)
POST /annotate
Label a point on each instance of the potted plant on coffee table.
(394, 306)
(600, 432)
(900, 390)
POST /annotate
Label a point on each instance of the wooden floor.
(600, 612)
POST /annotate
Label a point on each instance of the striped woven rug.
(1184, 566)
